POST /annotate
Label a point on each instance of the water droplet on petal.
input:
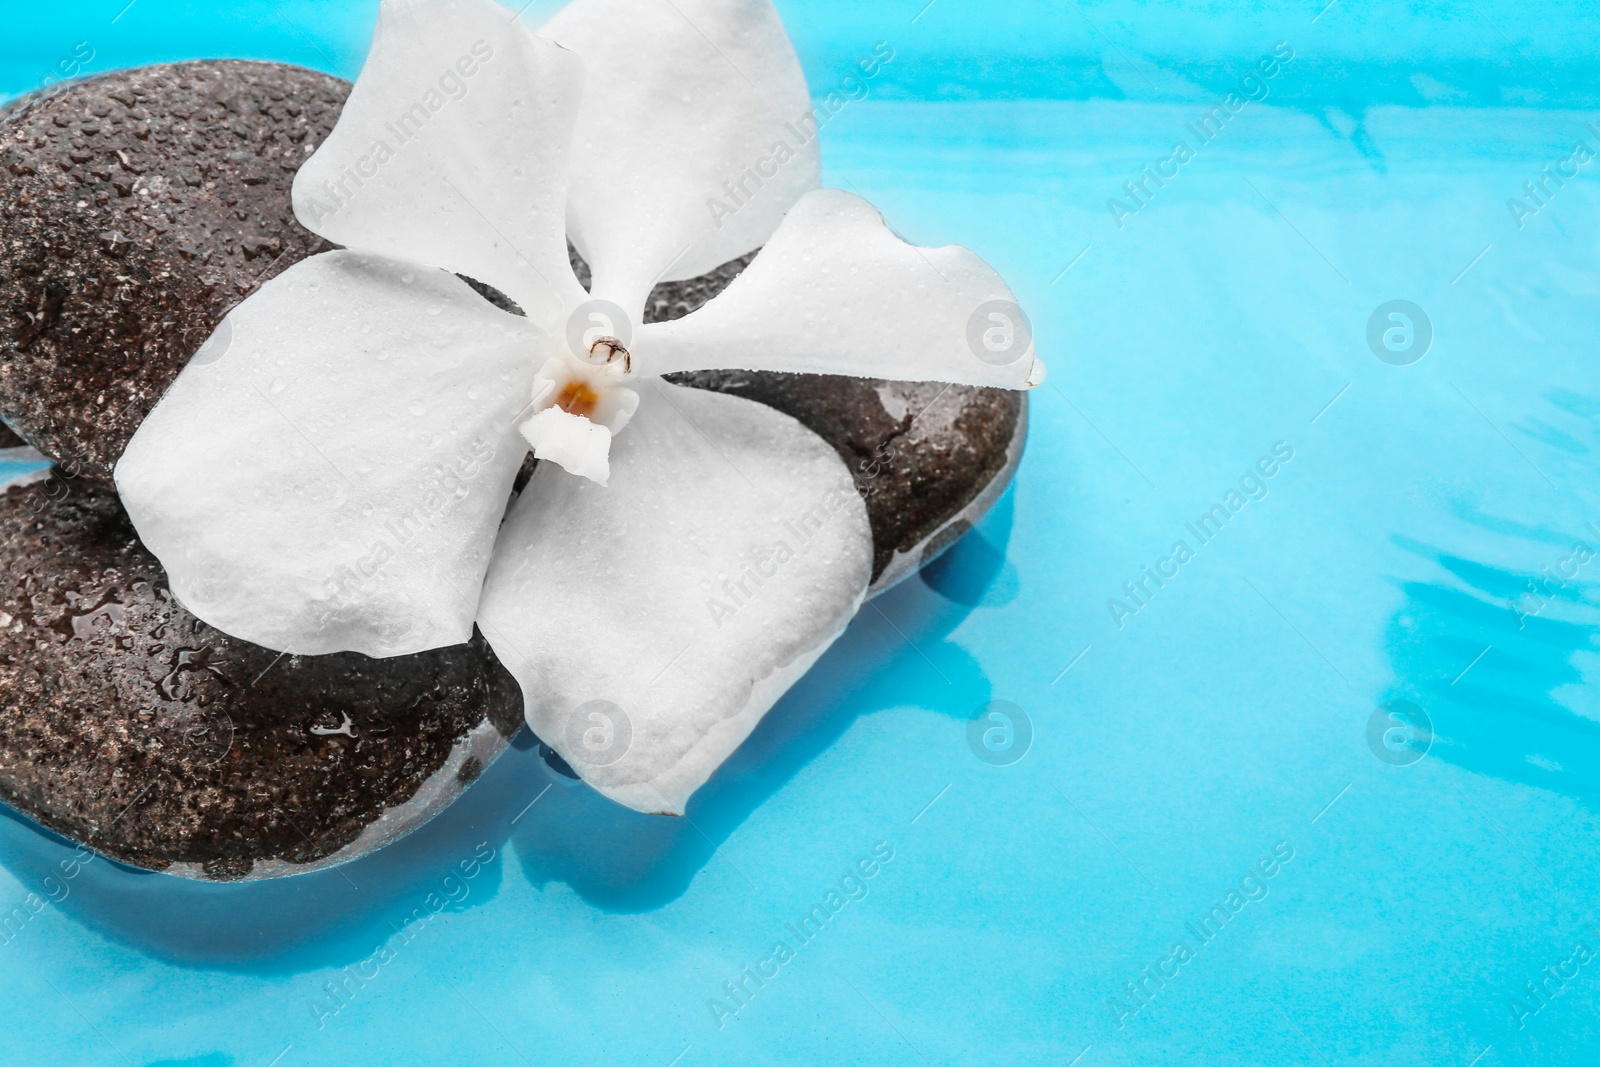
(417, 407)
(407, 278)
(434, 309)
(278, 385)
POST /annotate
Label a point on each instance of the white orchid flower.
(331, 471)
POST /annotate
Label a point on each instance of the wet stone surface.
(128, 724)
(136, 208)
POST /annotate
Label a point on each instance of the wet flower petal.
(837, 292)
(453, 151)
(653, 623)
(328, 474)
(694, 137)
(572, 442)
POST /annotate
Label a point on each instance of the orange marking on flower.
(578, 399)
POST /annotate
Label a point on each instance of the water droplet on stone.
(188, 659)
(105, 616)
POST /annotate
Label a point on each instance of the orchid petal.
(453, 151)
(836, 292)
(329, 471)
(572, 442)
(652, 623)
(683, 96)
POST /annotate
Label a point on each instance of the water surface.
(1180, 751)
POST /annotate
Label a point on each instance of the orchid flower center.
(582, 395)
(580, 401)
(607, 350)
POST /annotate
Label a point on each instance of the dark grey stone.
(130, 725)
(136, 208)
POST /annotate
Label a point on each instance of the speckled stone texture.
(135, 209)
(128, 724)
(18, 102)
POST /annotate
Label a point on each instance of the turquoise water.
(1396, 888)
